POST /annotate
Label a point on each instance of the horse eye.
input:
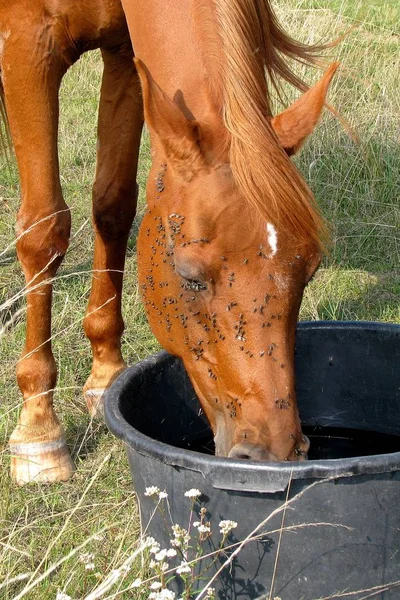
(194, 285)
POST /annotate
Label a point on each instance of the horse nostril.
(303, 449)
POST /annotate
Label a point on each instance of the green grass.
(358, 188)
(373, 15)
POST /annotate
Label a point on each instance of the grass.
(358, 188)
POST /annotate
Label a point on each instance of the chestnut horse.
(231, 235)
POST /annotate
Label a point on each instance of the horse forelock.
(244, 50)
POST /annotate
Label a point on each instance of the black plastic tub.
(348, 387)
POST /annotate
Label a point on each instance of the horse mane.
(255, 52)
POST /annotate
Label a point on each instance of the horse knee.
(42, 242)
(114, 209)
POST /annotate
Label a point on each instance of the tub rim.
(251, 475)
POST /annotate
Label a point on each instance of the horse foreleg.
(31, 79)
(114, 207)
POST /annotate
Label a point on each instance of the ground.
(358, 189)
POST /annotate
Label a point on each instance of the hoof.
(95, 402)
(41, 462)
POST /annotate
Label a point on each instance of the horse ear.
(295, 124)
(179, 136)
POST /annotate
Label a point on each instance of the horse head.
(222, 283)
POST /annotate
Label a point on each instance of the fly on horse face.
(231, 235)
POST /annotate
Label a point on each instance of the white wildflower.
(167, 595)
(226, 526)
(89, 566)
(150, 541)
(193, 494)
(183, 568)
(155, 548)
(196, 523)
(162, 595)
(156, 585)
(204, 529)
(137, 583)
(177, 529)
(181, 537)
(152, 491)
(62, 596)
(210, 595)
(159, 556)
(162, 495)
(171, 552)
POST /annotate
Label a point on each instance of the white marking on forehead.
(272, 238)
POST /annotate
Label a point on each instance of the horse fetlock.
(37, 422)
(101, 377)
(94, 399)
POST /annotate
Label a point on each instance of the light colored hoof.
(95, 402)
(41, 462)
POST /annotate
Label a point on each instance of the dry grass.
(358, 188)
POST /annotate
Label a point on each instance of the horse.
(231, 235)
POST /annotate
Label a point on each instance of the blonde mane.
(255, 50)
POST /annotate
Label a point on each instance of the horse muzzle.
(248, 451)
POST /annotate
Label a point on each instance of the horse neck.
(169, 38)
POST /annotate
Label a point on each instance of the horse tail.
(255, 53)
